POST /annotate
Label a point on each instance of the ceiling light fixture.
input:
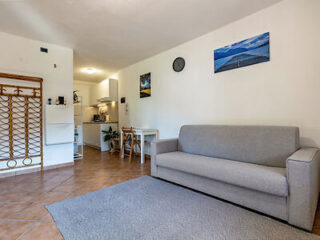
(90, 70)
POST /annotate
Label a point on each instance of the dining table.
(142, 134)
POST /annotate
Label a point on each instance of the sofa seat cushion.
(266, 179)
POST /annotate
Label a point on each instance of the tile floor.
(23, 215)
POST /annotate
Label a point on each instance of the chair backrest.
(265, 145)
(127, 130)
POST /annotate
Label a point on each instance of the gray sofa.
(260, 167)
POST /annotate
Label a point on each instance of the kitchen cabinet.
(93, 136)
(106, 90)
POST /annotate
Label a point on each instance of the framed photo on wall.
(145, 85)
(244, 53)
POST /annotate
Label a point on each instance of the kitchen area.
(95, 111)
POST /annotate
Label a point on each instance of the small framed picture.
(145, 85)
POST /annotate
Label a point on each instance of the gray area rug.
(148, 208)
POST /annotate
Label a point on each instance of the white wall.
(22, 56)
(284, 91)
(83, 90)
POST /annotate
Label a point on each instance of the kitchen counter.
(99, 122)
(93, 135)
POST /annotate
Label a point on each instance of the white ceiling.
(112, 34)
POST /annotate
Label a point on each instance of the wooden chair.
(129, 137)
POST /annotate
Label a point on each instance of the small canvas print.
(145, 85)
(244, 53)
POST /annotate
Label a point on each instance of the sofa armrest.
(161, 146)
(303, 182)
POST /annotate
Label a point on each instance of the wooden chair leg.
(131, 149)
(138, 143)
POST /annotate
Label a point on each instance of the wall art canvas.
(145, 85)
(244, 53)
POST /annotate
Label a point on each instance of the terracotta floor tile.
(24, 197)
(25, 187)
(52, 197)
(35, 196)
(47, 197)
(33, 212)
(11, 230)
(68, 188)
(79, 192)
(47, 218)
(14, 197)
(43, 231)
(12, 208)
(5, 187)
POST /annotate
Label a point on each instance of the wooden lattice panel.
(34, 115)
(20, 124)
(18, 109)
(4, 128)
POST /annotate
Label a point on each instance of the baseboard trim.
(92, 146)
(36, 169)
(61, 165)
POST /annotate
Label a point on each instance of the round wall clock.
(178, 64)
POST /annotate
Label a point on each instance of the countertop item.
(99, 122)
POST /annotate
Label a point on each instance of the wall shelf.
(78, 130)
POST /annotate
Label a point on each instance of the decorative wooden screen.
(20, 122)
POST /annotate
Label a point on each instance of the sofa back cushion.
(265, 145)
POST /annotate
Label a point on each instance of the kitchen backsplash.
(109, 111)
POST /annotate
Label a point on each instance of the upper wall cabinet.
(106, 90)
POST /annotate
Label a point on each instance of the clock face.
(178, 64)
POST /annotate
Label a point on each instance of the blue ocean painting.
(244, 53)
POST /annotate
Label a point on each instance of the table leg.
(142, 148)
